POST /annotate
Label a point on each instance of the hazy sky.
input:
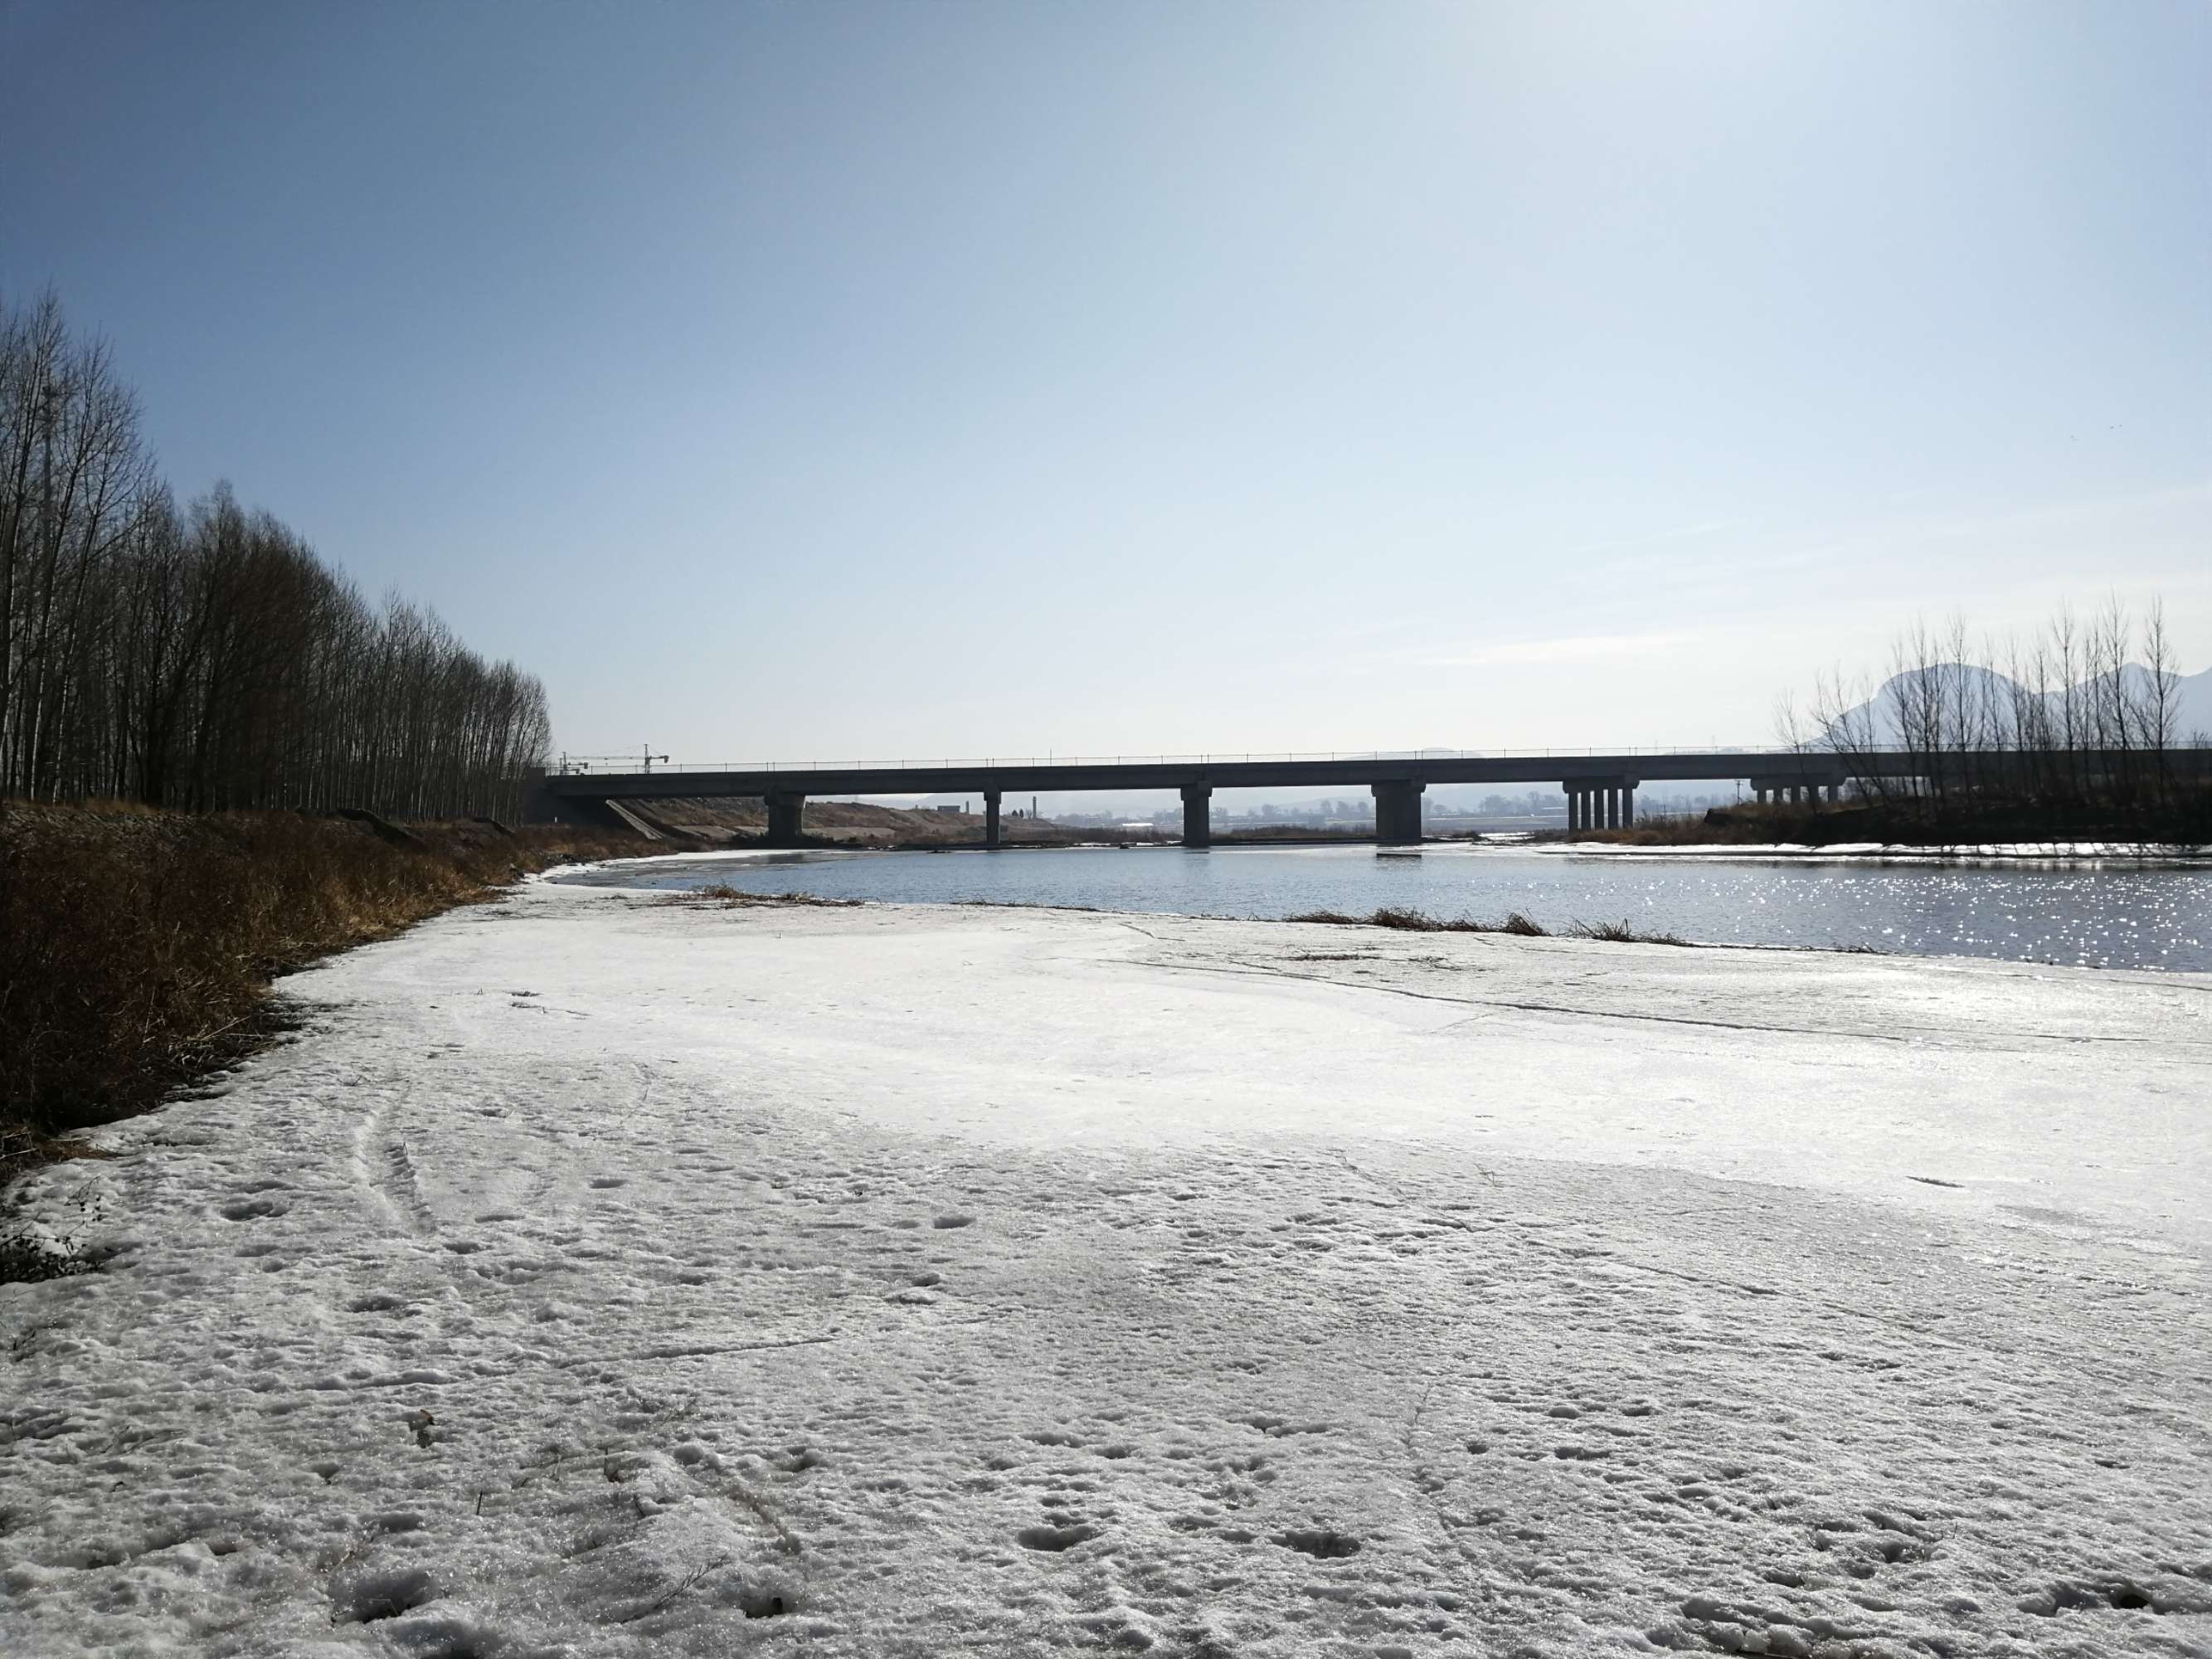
(869, 381)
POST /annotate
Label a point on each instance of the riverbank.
(2178, 820)
(600, 1274)
(136, 945)
(2086, 853)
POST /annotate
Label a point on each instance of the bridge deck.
(1601, 788)
(1034, 777)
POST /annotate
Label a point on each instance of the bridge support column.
(1611, 791)
(991, 798)
(784, 811)
(1397, 812)
(1628, 804)
(1198, 815)
(1578, 807)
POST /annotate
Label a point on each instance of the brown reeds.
(136, 947)
(1515, 923)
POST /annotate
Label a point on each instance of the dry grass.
(136, 947)
(1517, 923)
(724, 896)
(1620, 932)
(1414, 921)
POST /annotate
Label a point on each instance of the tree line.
(202, 656)
(2080, 722)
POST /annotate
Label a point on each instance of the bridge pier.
(1397, 812)
(1599, 804)
(1198, 815)
(784, 811)
(991, 798)
(1799, 792)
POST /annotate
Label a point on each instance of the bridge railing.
(585, 765)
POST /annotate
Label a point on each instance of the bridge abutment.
(584, 811)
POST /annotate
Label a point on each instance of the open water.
(2105, 915)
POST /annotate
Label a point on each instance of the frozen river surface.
(2105, 915)
(597, 1274)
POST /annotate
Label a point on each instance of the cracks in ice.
(1256, 969)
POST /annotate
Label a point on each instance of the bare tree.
(2073, 728)
(208, 658)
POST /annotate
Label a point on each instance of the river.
(2104, 915)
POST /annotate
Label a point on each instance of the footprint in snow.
(248, 1209)
(384, 1594)
(1322, 1543)
(1054, 1539)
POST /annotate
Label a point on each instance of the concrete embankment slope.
(596, 1275)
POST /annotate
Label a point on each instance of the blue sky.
(846, 380)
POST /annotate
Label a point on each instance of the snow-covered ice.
(597, 1274)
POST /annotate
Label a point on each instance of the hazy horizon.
(884, 382)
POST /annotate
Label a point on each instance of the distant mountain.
(2192, 714)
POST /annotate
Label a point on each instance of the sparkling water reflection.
(2107, 916)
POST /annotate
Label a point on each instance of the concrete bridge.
(1601, 788)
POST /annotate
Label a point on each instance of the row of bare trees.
(2083, 721)
(204, 657)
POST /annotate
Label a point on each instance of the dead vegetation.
(723, 896)
(1515, 922)
(136, 947)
